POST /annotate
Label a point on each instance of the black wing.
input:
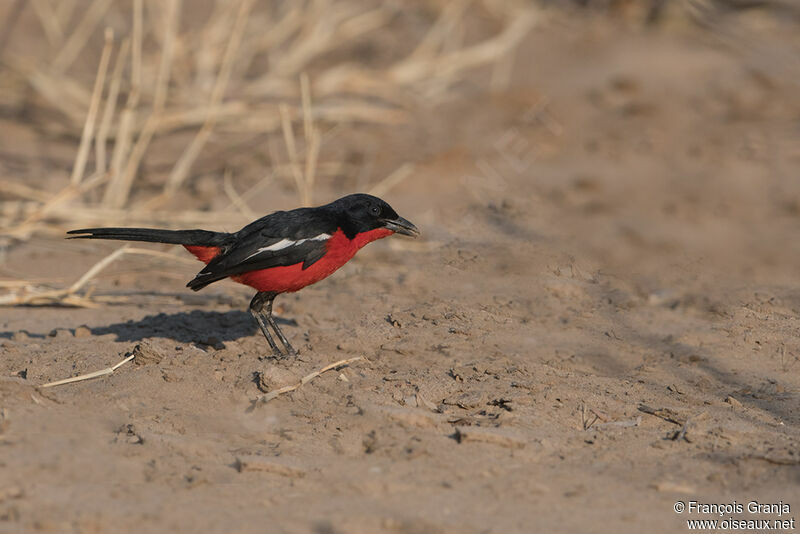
(280, 239)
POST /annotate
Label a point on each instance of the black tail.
(202, 238)
(202, 280)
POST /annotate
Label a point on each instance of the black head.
(362, 213)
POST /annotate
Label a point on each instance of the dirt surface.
(600, 319)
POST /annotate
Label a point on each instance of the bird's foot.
(290, 352)
(278, 354)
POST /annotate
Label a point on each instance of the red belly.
(293, 277)
(204, 254)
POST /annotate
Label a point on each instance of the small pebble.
(145, 353)
(22, 335)
(733, 402)
(83, 331)
(60, 333)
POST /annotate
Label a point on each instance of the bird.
(282, 252)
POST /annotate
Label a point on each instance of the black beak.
(401, 226)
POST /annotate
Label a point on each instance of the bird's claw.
(280, 355)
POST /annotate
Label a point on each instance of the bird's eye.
(375, 210)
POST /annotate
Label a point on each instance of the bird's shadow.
(185, 327)
(196, 326)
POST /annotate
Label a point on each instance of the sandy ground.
(601, 319)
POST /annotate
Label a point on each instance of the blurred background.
(609, 197)
(652, 118)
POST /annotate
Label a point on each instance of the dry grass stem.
(15, 283)
(305, 94)
(210, 43)
(80, 36)
(61, 92)
(28, 293)
(159, 254)
(91, 116)
(124, 134)
(445, 67)
(100, 216)
(51, 23)
(110, 107)
(291, 149)
(120, 186)
(136, 48)
(259, 463)
(664, 413)
(181, 170)
(313, 141)
(445, 24)
(23, 191)
(587, 423)
(88, 376)
(312, 158)
(27, 227)
(95, 270)
(236, 200)
(391, 181)
(308, 378)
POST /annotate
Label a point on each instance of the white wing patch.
(286, 243)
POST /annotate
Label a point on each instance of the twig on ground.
(587, 424)
(88, 376)
(682, 434)
(664, 413)
(308, 378)
(636, 421)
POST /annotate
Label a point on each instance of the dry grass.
(27, 293)
(89, 376)
(250, 69)
(306, 379)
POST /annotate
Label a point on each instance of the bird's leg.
(256, 307)
(289, 349)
